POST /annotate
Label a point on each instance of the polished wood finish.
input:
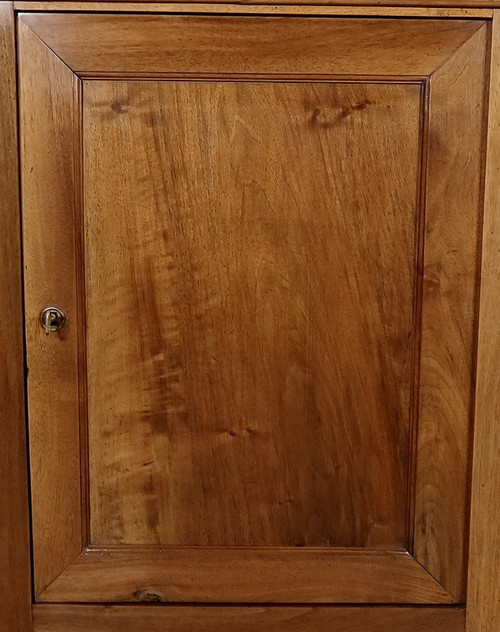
(119, 116)
(453, 215)
(246, 575)
(229, 403)
(450, 278)
(96, 45)
(143, 5)
(484, 589)
(49, 142)
(15, 585)
(69, 618)
(248, 8)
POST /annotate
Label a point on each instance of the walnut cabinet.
(251, 263)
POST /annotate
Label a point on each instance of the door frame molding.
(483, 612)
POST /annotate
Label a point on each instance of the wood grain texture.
(250, 311)
(450, 293)
(249, 8)
(484, 567)
(93, 44)
(393, 578)
(246, 575)
(15, 585)
(68, 618)
(144, 5)
(48, 152)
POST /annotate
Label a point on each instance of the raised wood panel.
(386, 577)
(15, 585)
(69, 618)
(50, 218)
(453, 213)
(484, 588)
(246, 575)
(94, 44)
(243, 302)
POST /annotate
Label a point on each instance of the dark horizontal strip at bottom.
(193, 618)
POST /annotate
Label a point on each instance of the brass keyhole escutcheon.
(52, 319)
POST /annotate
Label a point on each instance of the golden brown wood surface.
(15, 588)
(144, 5)
(48, 152)
(69, 618)
(100, 45)
(484, 586)
(243, 301)
(246, 575)
(249, 8)
(207, 249)
(450, 292)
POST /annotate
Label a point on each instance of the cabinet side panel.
(48, 137)
(484, 586)
(15, 599)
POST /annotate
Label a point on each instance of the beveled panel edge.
(451, 283)
(57, 29)
(336, 576)
(56, 518)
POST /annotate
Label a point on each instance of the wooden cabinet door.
(264, 235)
